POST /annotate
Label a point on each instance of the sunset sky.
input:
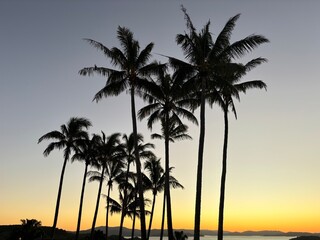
(273, 180)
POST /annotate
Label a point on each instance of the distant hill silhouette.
(6, 230)
(189, 232)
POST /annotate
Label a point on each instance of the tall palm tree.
(229, 87)
(65, 139)
(113, 170)
(156, 182)
(128, 153)
(177, 131)
(204, 57)
(85, 151)
(167, 104)
(133, 67)
(109, 149)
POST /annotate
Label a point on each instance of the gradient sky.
(273, 173)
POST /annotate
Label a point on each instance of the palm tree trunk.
(223, 176)
(200, 163)
(163, 214)
(167, 175)
(134, 218)
(107, 213)
(151, 216)
(138, 166)
(133, 225)
(81, 200)
(97, 204)
(124, 202)
(58, 199)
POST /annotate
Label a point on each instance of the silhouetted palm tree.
(65, 139)
(156, 182)
(128, 207)
(229, 87)
(167, 104)
(177, 131)
(114, 170)
(204, 57)
(108, 151)
(133, 67)
(128, 155)
(86, 150)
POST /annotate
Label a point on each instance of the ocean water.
(236, 238)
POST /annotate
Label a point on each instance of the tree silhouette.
(156, 182)
(128, 154)
(65, 139)
(204, 58)
(229, 87)
(108, 151)
(167, 104)
(133, 67)
(86, 150)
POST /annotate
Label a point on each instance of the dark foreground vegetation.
(31, 229)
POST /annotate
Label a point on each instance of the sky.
(273, 161)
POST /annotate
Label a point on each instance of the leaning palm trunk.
(163, 214)
(81, 200)
(200, 163)
(223, 175)
(125, 196)
(151, 216)
(97, 203)
(134, 218)
(58, 199)
(107, 213)
(167, 186)
(138, 166)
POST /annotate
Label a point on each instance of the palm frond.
(98, 46)
(144, 55)
(111, 89)
(244, 86)
(52, 135)
(156, 136)
(241, 47)
(223, 39)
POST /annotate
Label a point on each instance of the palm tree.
(229, 87)
(176, 132)
(167, 104)
(114, 171)
(65, 139)
(204, 57)
(129, 205)
(109, 150)
(128, 153)
(85, 151)
(133, 67)
(156, 182)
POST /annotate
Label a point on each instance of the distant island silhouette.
(189, 232)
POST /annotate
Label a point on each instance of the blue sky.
(274, 144)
